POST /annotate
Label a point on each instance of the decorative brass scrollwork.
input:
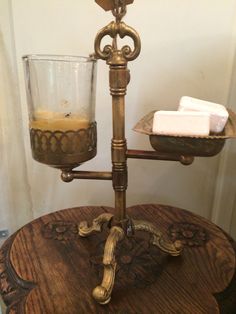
(85, 230)
(172, 248)
(102, 293)
(126, 53)
(64, 149)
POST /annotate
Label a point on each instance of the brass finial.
(111, 4)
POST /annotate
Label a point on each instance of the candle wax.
(60, 124)
(61, 139)
(46, 120)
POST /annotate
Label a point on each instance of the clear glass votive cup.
(61, 102)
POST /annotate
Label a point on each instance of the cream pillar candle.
(62, 139)
(53, 121)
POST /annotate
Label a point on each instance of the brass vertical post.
(118, 84)
(117, 59)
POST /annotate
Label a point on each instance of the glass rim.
(58, 58)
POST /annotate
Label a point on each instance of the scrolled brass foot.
(102, 293)
(85, 230)
(172, 248)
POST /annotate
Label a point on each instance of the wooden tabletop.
(47, 268)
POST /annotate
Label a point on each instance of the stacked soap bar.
(194, 117)
(218, 113)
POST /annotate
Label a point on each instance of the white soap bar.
(219, 114)
(181, 123)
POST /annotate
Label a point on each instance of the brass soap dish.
(188, 145)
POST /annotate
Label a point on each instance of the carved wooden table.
(47, 268)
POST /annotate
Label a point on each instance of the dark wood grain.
(47, 268)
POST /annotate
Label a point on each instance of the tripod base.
(102, 293)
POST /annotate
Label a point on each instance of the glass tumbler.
(61, 102)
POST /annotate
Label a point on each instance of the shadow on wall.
(232, 186)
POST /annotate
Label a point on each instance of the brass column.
(117, 59)
(118, 82)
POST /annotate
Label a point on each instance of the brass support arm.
(68, 176)
(154, 155)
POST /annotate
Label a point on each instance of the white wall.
(187, 49)
(15, 205)
(224, 206)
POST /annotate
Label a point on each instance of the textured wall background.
(187, 49)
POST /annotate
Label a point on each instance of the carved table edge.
(13, 289)
(227, 296)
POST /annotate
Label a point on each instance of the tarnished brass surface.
(186, 160)
(102, 293)
(119, 79)
(64, 149)
(202, 147)
(110, 4)
(109, 53)
(158, 239)
(85, 230)
(153, 155)
(68, 176)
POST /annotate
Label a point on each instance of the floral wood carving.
(189, 234)
(60, 230)
(136, 262)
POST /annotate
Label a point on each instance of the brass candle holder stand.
(120, 224)
(68, 149)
